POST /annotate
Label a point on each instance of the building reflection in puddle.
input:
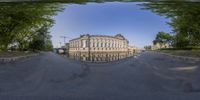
(99, 57)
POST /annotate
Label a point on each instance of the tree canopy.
(163, 38)
(184, 20)
(23, 23)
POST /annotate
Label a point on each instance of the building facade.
(99, 47)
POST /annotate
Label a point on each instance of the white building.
(99, 47)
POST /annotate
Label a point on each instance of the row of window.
(99, 49)
(99, 45)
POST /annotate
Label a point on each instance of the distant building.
(100, 47)
(132, 50)
(67, 46)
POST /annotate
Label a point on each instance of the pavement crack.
(84, 72)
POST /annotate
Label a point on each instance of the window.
(87, 43)
(97, 44)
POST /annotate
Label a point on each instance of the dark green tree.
(184, 20)
(20, 22)
(41, 39)
(149, 47)
(163, 38)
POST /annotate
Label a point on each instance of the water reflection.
(99, 57)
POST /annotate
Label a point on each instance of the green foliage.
(41, 39)
(148, 47)
(163, 38)
(23, 23)
(184, 20)
(185, 48)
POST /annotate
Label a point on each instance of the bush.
(185, 48)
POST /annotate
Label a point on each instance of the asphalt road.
(148, 76)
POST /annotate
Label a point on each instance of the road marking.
(189, 68)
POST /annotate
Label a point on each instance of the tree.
(20, 22)
(41, 39)
(184, 20)
(163, 38)
(149, 47)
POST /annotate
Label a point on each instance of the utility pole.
(64, 38)
(60, 44)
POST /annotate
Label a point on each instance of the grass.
(13, 54)
(188, 53)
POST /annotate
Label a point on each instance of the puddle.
(99, 57)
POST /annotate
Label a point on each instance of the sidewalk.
(6, 58)
(179, 57)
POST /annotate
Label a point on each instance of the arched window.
(93, 44)
(101, 44)
(97, 44)
(87, 43)
(108, 43)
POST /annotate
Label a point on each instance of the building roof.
(118, 36)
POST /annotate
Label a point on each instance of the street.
(148, 76)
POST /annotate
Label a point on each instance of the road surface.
(148, 76)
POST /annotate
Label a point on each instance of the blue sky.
(138, 26)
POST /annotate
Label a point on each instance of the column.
(84, 43)
(95, 43)
(91, 43)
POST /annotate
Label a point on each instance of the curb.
(7, 60)
(180, 57)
